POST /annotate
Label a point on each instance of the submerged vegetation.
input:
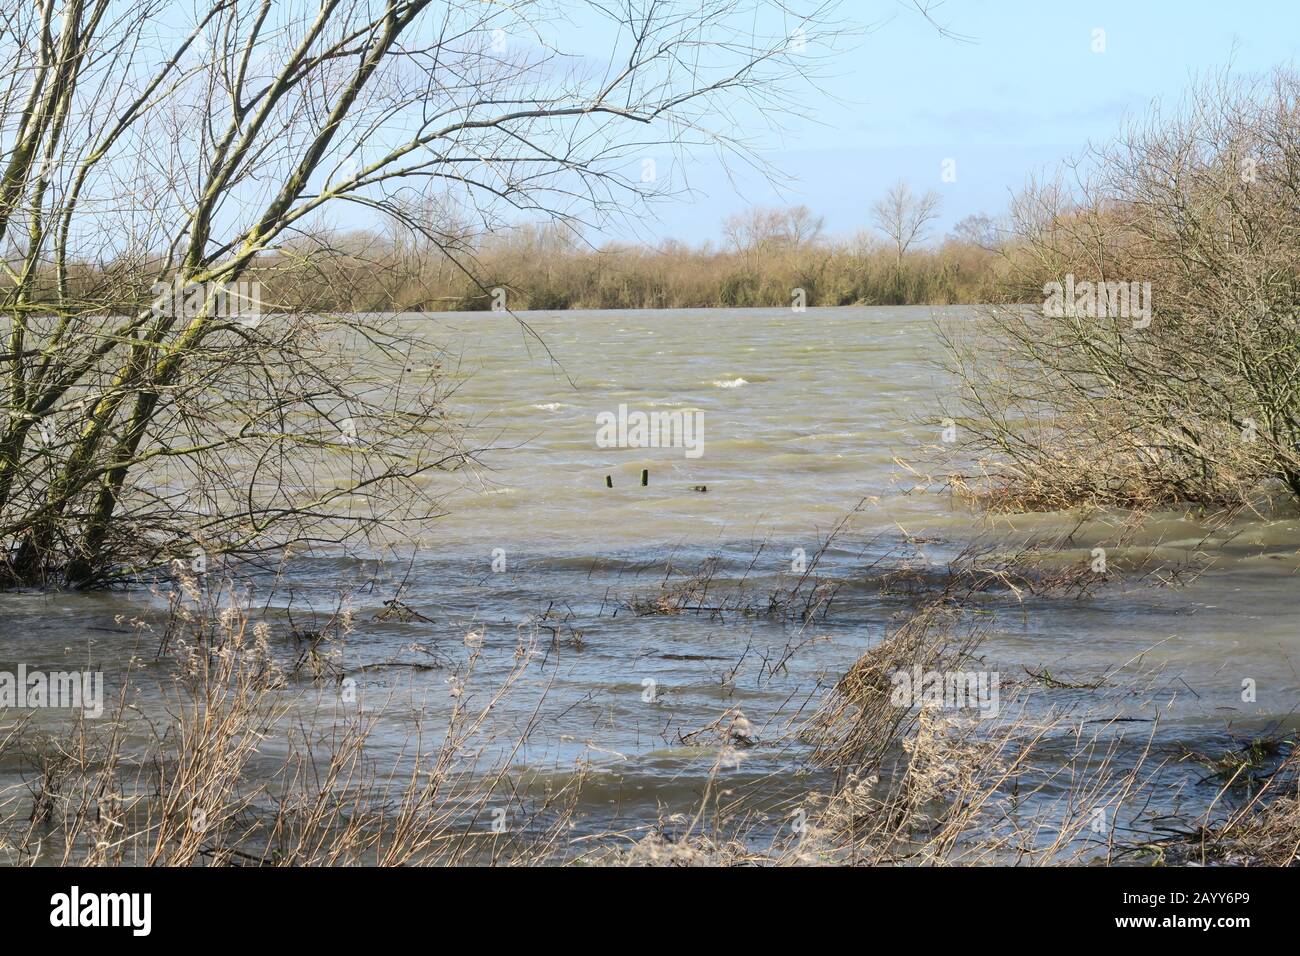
(147, 430)
(264, 762)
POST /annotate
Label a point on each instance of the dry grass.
(908, 785)
(251, 766)
(1262, 831)
(855, 730)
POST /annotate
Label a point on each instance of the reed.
(259, 762)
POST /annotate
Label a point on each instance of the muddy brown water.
(803, 416)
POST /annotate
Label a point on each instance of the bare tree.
(1160, 362)
(753, 230)
(978, 229)
(803, 227)
(903, 216)
(136, 155)
(758, 233)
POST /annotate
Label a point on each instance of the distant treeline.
(549, 268)
(767, 256)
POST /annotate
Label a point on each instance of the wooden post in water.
(645, 477)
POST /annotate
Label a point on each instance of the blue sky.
(1025, 92)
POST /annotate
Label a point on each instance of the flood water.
(805, 418)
